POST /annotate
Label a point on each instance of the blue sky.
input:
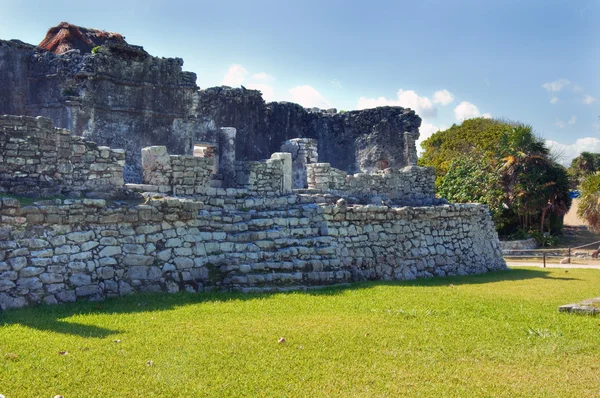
(533, 61)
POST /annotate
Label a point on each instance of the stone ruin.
(120, 96)
(204, 213)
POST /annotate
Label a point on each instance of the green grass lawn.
(498, 334)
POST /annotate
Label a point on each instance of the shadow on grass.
(55, 318)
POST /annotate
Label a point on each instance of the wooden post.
(544, 254)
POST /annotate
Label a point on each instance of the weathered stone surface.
(277, 242)
(121, 92)
(28, 170)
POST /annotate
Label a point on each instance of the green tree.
(508, 168)
(474, 179)
(472, 136)
(585, 164)
(589, 205)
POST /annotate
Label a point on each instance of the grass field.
(498, 334)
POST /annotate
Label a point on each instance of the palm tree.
(589, 205)
(534, 184)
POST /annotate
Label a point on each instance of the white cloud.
(468, 110)
(572, 120)
(425, 131)
(265, 89)
(406, 98)
(567, 152)
(443, 97)
(577, 88)
(235, 75)
(367, 103)
(556, 85)
(560, 124)
(422, 105)
(588, 100)
(308, 97)
(554, 100)
(263, 77)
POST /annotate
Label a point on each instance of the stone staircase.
(286, 249)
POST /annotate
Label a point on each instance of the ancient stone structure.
(211, 203)
(176, 174)
(410, 186)
(37, 159)
(304, 151)
(120, 96)
(255, 235)
(59, 251)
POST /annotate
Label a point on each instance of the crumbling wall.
(122, 97)
(37, 159)
(303, 151)
(410, 186)
(119, 96)
(267, 177)
(177, 174)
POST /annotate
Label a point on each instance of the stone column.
(304, 151)
(286, 160)
(410, 148)
(226, 158)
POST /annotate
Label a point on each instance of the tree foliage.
(474, 179)
(582, 166)
(589, 205)
(479, 135)
(503, 165)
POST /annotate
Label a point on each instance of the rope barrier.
(551, 250)
(582, 246)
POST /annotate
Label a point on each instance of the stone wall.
(268, 177)
(57, 251)
(410, 186)
(37, 159)
(512, 246)
(177, 174)
(379, 242)
(123, 97)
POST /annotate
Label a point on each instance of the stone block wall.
(410, 186)
(513, 246)
(378, 242)
(64, 250)
(177, 174)
(271, 176)
(37, 159)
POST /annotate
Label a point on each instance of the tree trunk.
(544, 210)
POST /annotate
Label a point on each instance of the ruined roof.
(66, 36)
